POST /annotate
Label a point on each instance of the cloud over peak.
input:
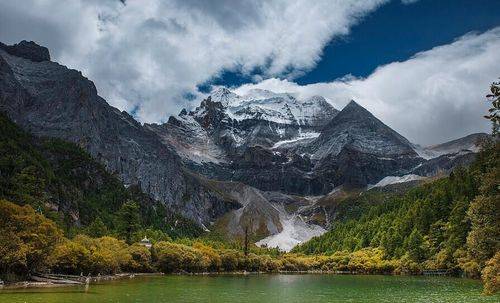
(145, 57)
(432, 97)
(148, 55)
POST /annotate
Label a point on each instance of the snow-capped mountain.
(281, 108)
(275, 141)
(232, 123)
(235, 160)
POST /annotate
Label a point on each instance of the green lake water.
(262, 288)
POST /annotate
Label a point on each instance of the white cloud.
(145, 56)
(430, 98)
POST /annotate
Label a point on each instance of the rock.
(51, 100)
(264, 140)
(357, 149)
(28, 50)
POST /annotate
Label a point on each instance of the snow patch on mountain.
(294, 232)
(301, 137)
(396, 179)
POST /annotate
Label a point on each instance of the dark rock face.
(358, 129)
(444, 164)
(353, 168)
(50, 100)
(27, 50)
(356, 149)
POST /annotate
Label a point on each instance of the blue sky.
(414, 64)
(394, 32)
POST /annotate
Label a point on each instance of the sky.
(421, 66)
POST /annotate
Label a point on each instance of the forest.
(450, 223)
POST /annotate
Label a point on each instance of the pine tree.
(128, 220)
(97, 229)
(414, 246)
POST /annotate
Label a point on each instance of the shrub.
(491, 275)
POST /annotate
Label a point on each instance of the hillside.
(259, 159)
(62, 181)
(50, 100)
(451, 223)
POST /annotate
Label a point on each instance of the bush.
(107, 255)
(231, 260)
(173, 257)
(27, 239)
(140, 260)
(491, 275)
(70, 257)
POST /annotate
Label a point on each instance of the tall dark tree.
(97, 229)
(128, 220)
(414, 246)
(494, 111)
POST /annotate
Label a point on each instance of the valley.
(264, 182)
(250, 160)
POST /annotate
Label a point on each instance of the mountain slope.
(357, 149)
(65, 183)
(356, 128)
(450, 223)
(272, 219)
(50, 100)
(468, 143)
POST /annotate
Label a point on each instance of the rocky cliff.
(251, 160)
(51, 100)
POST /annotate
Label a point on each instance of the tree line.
(451, 223)
(32, 243)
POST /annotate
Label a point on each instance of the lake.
(262, 288)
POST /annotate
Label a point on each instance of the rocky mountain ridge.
(239, 138)
(258, 160)
(50, 100)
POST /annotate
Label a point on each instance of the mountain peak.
(315, 99)
(353, 104)
(262, 94)
(356, 127)
(353, 112)
(223, 95)
(27, 50)
(221, 91)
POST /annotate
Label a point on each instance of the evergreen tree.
(414, 246)
(483, 240)
(494, 111)
(128, 220)
(97, 229)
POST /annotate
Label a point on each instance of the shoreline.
(73, 280)
(45, 281)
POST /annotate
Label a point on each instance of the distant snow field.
(300, 137)
(395, 179)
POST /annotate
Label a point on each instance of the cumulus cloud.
(145, 56)
(432, 97)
